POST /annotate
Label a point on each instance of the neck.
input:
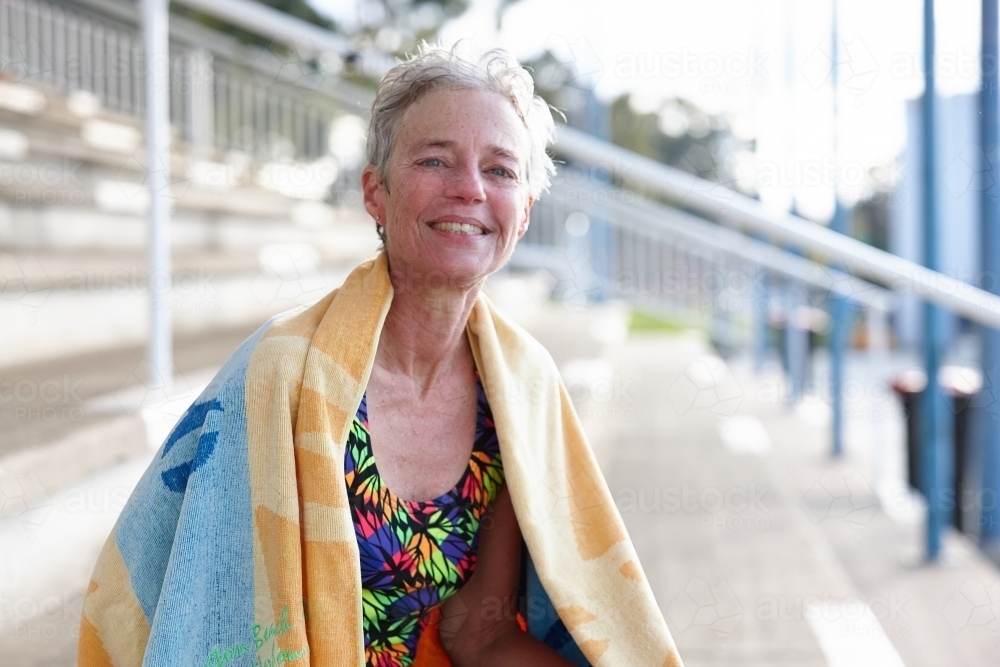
(423, 337)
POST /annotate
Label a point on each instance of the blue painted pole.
(840, 309)
(937, 419)
(796, 341)
(989, 118)
(841, 316)
(761, 321)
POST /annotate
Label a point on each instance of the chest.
(422, 443)
(415, 553)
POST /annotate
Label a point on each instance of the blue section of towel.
(186, 533)
(545, 624)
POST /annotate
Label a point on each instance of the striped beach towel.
(237, 546)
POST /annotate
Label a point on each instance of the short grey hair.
(434, 67)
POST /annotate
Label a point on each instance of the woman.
(265, 533)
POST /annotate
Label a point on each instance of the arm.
(481, 615)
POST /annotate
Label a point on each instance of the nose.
(466, 184)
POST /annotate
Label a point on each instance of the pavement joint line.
(744, 434)
(850, 635)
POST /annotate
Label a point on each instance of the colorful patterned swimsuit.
(415, 554)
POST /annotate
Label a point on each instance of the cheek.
(416, 192)
(421, 181)
(508, 204)
(514, 211)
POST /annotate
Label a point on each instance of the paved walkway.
(760, 550)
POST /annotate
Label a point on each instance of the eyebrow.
(499, 151)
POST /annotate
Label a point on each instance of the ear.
(522, 227)
(374, 193)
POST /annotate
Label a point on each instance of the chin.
(463, 269)
(437, 270)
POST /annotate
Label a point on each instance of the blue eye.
(500, 171)
(431, 162)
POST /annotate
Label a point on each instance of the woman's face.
(455, 200)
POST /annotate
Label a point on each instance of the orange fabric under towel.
(430, 652)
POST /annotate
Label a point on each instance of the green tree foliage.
(397, 26)
(300, 9)
(681, 135)
(677, 132)
(870, 219)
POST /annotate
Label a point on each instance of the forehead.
(481, 119)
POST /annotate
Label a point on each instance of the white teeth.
(458, 228)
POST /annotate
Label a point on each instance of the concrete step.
(73, 177)
(106, 308)
(44, 225)
(64, 419)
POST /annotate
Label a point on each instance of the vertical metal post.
(796, 341)
(989, 137)
(937, 418)
(761, 318)
(842, 317)
(840, 309)
(157, 70)
(200, 80)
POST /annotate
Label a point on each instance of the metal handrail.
(261, 19)
(225, 95)
(727, 206)
(651, 217)
(258, 17)
(189, 32)
(673, 263)
(712, 200)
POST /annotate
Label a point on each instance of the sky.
(763, 64)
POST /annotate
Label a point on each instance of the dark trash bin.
(910, 385)
(961, 383)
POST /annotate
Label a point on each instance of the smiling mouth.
(458, 228)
